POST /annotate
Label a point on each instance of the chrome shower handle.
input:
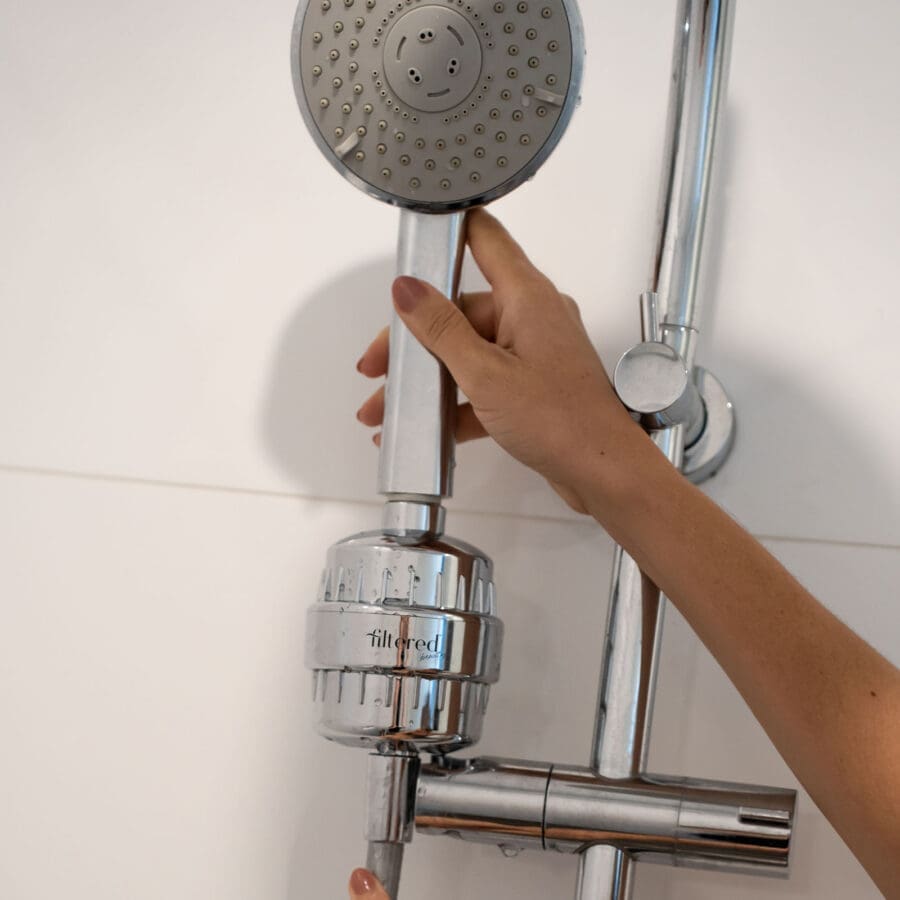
(654, 383)
(417, 439)
(653, 380)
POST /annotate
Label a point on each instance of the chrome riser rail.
(670, 325)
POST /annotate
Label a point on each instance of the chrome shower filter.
(404, 643)
(437, 105)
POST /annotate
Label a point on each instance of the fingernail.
(408, 292)
(362, 883)
(359, 364)
(359, 414)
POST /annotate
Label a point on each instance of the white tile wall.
(156, 714)
(184, 291)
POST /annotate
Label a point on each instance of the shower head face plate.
(437, 105)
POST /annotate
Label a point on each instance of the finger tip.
(362, 882)
(368, 366)
(408, 292)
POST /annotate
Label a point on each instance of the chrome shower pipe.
(390, 799)
(415, 472)
(634, 627)
(700, 62)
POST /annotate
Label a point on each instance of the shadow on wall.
(314, 390)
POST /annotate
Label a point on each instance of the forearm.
(802, 671)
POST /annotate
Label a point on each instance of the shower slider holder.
(661, 391)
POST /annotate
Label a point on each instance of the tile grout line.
(178, 485)
(830, 542)
(42, 471)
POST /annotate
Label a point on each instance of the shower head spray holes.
(442, 98)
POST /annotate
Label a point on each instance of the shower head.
(437, 106)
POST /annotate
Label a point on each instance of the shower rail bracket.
(662, 391)
(707, 454)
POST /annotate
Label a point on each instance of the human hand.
(521, 355)
(365, 886)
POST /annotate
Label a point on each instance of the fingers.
(503, 263)
(365, 886)
(501, 260)
(468, 427)
(477, 306)
(480, 309)
(374, 362)
(442, 329)
(371, 413)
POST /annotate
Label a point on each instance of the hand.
(521, 355)
(365, 886)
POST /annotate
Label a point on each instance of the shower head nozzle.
(442, 105)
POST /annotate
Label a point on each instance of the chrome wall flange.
(707, 454)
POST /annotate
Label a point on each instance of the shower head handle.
(417, 439)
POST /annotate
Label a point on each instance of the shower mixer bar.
(404, 641)
(532, 805)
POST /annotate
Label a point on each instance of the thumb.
(365, 886)
(441, 327)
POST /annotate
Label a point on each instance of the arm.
(829, 702)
